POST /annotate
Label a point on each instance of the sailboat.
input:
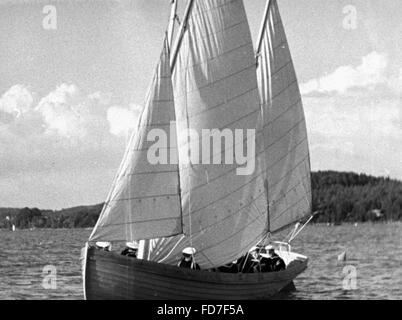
(210, 77)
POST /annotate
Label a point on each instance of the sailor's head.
(132, 246)
(254, 252)
(270, 250)
(261, 249)
(105, 246)
(188, 253)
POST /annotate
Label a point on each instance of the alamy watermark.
(349, 282)
(350, 19)
(49, 22)
(210, 147)
(49, 274)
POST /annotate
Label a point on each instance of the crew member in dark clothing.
(275, 262)
(250, 263)
(131, 250)
(188, 260)
(261, 249)
(265, 262)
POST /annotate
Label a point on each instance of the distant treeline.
(338, 196)
(78, 217)
(349, 197)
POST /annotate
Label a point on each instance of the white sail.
(145, 200)
(284, 127)
(211, 206)
(215, 84)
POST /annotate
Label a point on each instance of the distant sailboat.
(13, 228)
(212, 79)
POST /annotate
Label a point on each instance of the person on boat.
(104, 246)
(188, 260)
(261, 249)
(265, 262)
(250, 263)
(131, 250)
(272, 262)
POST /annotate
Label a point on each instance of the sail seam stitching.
(215, 82)
(227, 195)
(273, 143)
(259, 132)
(254, 178)
(248, 205)
(193, 116)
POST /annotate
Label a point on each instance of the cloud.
(65, 142)
(101, 98)
(123, 120)
(66, 112)
(67, 131)
(354, 117)
(70, 114)
(370, 74)
(62, 112)
(16, 101)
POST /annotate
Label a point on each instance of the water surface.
(374, 250)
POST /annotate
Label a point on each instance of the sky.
(72, 87)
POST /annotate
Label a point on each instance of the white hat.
(132, 245)
(269, 247)
(189, 251)
(265, 255)
(253, 249)
(103, 245)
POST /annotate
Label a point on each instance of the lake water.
(373, 269)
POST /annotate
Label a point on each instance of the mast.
(266, 186)
(259, 45)
(182, 30)
(172, 21)
(263, 28)
(170, 41)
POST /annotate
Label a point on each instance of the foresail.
(215, 85)
(285, 136)
(145, 201)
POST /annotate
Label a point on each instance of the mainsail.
(144, 202)
(282, 147)
(286, 151)
(224, 214)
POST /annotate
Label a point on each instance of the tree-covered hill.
(78, 217)
(350, 197)
(338, 196)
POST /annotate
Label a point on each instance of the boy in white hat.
(104, 246)
(271, 262)
(188, 260)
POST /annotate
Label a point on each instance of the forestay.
(215, 84)
(144, 202)
(285, 136)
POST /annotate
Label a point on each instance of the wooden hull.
(109, 276)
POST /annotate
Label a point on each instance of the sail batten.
(145, 201)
